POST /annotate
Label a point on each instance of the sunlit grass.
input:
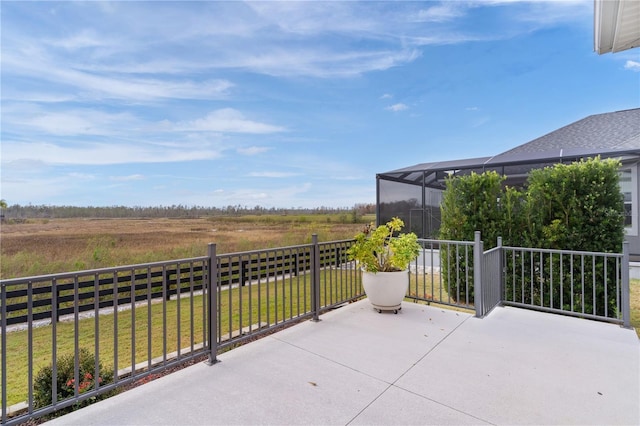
(253, 305)
(64, 245)
(634, 287)
(432, 287)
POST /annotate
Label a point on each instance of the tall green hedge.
(576, 206)
(470, 203)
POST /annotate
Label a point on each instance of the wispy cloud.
(227, 120)
(397, 107)
(80, 40)
(75, 122)
(253, 150)
(99, 154)
(632, 65)
(440, 12)
(126, 178)
(273, 174)
(111, 86)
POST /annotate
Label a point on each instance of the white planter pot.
(386, 290)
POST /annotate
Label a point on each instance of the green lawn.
(266, 303)
(239, 308)
(634, 287)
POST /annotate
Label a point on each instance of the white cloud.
(99, 153)
(129, 42)
(386, 96)
(273, 174)
(111, 86)
(253, 150)
(83, 39)
(544, 13)
(126, 178)
(319, 62)
(77, 122)
(312, 18)
(397, 107)
(227, 120)
(632, 65)
(440, 13)
(81, 176)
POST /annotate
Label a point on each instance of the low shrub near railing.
(67, 383)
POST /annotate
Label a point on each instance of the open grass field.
(45, 246)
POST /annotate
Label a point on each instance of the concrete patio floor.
(426, 365)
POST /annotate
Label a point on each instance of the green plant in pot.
(384, 259)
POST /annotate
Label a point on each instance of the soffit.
(617, 25)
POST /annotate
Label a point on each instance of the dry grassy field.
(44, 246)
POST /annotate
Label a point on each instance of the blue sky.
(282, 104)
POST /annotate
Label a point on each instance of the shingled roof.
(612, 131)
(612, 134)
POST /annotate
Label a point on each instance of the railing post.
(212, 282)
(315, 277)
(3, 350)
(626, 303)
(477, 274)
(500, 271)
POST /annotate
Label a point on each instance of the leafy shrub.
(470, 203)
(42, 384)
(576, 206)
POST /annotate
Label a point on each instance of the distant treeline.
(17, 211)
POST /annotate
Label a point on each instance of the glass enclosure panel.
(401, 200)
(432, 215)
(406, 202)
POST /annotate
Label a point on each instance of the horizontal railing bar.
(261, 251)
(562, 312)
(110, 270)
(441, 242)
(493, 250)
(556, 251)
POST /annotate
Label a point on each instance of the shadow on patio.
(426, 365)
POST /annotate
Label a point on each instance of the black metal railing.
(139, 320)
(591, 285)
(442, 273)
(586, 284)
